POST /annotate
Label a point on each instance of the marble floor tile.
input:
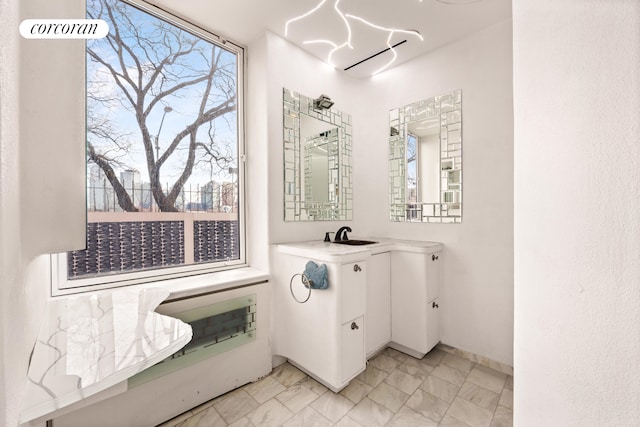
(313, 385)
(369, 413)
(460, 363)
(472, 414)
(208, 417)
(449, 374)
(264, 389)
(440, 388)
(296, 397)
(449, 421)
(479, 395)
(506, 399)
(308, 417)
(407, 417)
(403, 381)
(347, 422)
(235, 405)
(503, 417)
(427, 405)
(287, 374)
(242, 422)
(487, 378)
(397, 355)
(372, 376)
(415, 368)
(332, 406)
(388, 396)
(356, 390)
(270, 414)
(384, 362)
(434, 357)
(443, 389)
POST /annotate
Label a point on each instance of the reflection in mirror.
(425, 162)
(317, 161)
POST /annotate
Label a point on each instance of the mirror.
(317, 161)
(425, 161)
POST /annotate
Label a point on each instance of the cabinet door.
(409, 299)
(433, 276)
(353, 293)
(378, 316)
(433, 323)
(352, 359)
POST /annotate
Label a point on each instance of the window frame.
(60, 283)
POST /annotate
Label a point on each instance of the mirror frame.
(294, 106)
(447, 109)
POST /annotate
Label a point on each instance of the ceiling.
(438, 22)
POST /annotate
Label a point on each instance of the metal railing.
(213, 197)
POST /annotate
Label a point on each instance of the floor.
(442, 389)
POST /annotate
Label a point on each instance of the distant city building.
(218, 196)
(101, 196)
(210, 196)
(130, 180)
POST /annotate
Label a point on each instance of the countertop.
(89, 343)
(334, 252)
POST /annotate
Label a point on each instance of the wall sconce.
(322, 102)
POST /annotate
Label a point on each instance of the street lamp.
(167, 109)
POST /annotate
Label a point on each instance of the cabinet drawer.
(352, 354)
(353, 293)
(433, 323)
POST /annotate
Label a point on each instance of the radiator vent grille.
(216, 328)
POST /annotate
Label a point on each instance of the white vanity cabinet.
(324, 336)
(382, 294)
(415, 303)
(378, 317)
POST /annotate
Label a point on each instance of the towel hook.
(307, 284)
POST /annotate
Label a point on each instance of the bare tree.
(141, 68)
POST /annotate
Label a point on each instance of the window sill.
(191, 286)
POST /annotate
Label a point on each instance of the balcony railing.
(119, 242)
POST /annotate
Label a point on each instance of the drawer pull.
(434, 257)
(354, 325)
(357, 268)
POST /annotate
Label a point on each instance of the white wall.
(577, 212)
(477, 291)
(9, 216)
(41, 202)
(478, 272)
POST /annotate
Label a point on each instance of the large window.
(164, 151)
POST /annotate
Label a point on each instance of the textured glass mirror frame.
(447, 110)
(337, 206)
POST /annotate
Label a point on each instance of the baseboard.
(480, 360)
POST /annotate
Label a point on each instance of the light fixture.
(322, 102)
(345, 18)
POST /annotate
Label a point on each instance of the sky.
(120, 117)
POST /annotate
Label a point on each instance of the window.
(164, 151)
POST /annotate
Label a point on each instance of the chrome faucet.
(341, 234)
